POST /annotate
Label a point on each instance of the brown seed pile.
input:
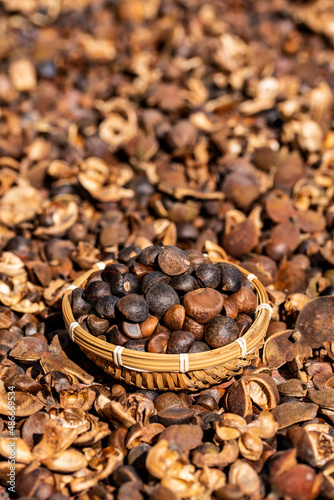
(201, 125)
(166, 300)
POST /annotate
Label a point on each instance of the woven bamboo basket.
(171, 372)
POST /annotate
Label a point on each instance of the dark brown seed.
(146, 392)
(79, 304)
(97, 276)
(180, 341)
(241, 239)
(187, 399)
(136, 345)
(133, 307)
(203, 304)
(243, 323)
(190, 325)
(124, 284)
(167, 400)
(131, 330)
(207, 401)
(231, 277)
(315, 321)
(196, 257)
(149, 254)
(96, 290)
(220, 331)
(114, 270)
(185, 283)
(129, 252)
(198, 346)
(151, 279)
(284, 240)
(157, 343)
(114, 336)
(208, 275)
(173, 261)
(105, 307)
(171, 416)
(160, 298)
(174, 317)
(96, 325)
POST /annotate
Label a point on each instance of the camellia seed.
(173, 261)
(220, 331)
(203, 304)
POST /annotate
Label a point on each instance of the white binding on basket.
(264, 306)
(117, 359)
(117, 355)
(71, 287)
(73, 325)
(184, 363)
(251, 277)
(100, 265)
(243, 346)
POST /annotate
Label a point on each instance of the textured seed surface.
(208, 275)
(185, 283)
(151, 279)
(174, 317)
(173, 261)
(231, 277)
(220, 331)
(160, 298)
(133, 307)
(203, 304)
(123, 284)
(198, 346)
(180, 341)
(136, 345)
(96, 290)
(105, 307)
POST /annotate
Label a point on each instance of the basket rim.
(151, 362)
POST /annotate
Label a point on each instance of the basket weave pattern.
(171, 372)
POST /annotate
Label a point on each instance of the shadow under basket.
(171, 372)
